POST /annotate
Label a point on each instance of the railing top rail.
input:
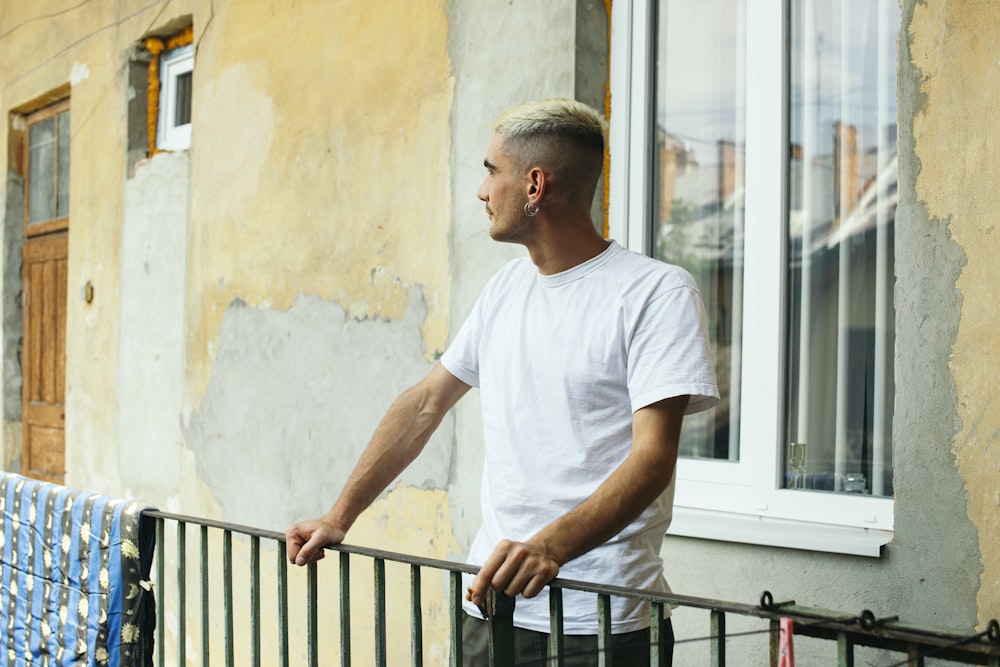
(455, 566)
(345, 548)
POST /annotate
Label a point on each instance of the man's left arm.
(526, 567)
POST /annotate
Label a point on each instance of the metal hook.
(869, 621)
(767, 601)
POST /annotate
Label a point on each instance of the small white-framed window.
(176, 77)
(753, 143)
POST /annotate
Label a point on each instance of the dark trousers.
(630, 649)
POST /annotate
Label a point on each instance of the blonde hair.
(553, 116)
(563, 135)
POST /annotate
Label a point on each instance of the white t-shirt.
(562, 361)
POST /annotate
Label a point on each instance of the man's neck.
(565, 244)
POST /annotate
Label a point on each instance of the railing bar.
(817, 622)
(416, 618)
(204, 596)
(255, 601)
(160, 592)
(312, 609)
(181, 592)
(657, 655)
(282, 607)
(557, 644)
(718, 632)
(379, 569)
(845, 650)
(774, 639)
(502, 623)
(227, 595)
(345, 609)
(604, 630)
(455, 607)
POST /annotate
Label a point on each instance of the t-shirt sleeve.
(668, 352)
(461, 359)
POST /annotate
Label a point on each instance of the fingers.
(293, 542)
(514, 568)
(311, 551)
(305, 541)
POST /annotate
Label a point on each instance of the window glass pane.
(62, 209)
(182, 103)
(42, 172)
(841, 213)
(698, 187)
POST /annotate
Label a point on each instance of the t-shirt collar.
(581, 270)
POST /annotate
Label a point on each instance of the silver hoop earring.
(531, 212)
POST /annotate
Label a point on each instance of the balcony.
(392, 612)
(223, 594)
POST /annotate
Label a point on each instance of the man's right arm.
(399, 438)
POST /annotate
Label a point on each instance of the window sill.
(769, 531)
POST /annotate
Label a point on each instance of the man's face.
(505, 192)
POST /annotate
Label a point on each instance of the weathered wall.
(303, 250)
(34, 63)
(13, 212)
(319, 220)
(262, 298)
(150, 364)
(955, 48)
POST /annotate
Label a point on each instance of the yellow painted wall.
(320, 167)
(91, 70)
(321, 164)
(956, 45)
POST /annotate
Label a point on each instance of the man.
(587, 356)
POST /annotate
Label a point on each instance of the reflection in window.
(48, 169)
(182, 107)
(698, 179)
(842, 201)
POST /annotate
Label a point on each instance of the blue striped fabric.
(74, 584)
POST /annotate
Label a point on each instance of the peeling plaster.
(151, 349)
(294, 397)
(955, 45)
(304, 186)
(79, 74)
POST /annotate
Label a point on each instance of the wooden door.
(45, 166)
(44, 356)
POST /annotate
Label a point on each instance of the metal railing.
(229, 574)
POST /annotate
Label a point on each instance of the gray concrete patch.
(293, 400)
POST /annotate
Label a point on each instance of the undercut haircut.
(564, 136)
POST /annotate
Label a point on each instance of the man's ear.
(537, 184)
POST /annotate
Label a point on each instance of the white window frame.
(736, 501)
(173, 63)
